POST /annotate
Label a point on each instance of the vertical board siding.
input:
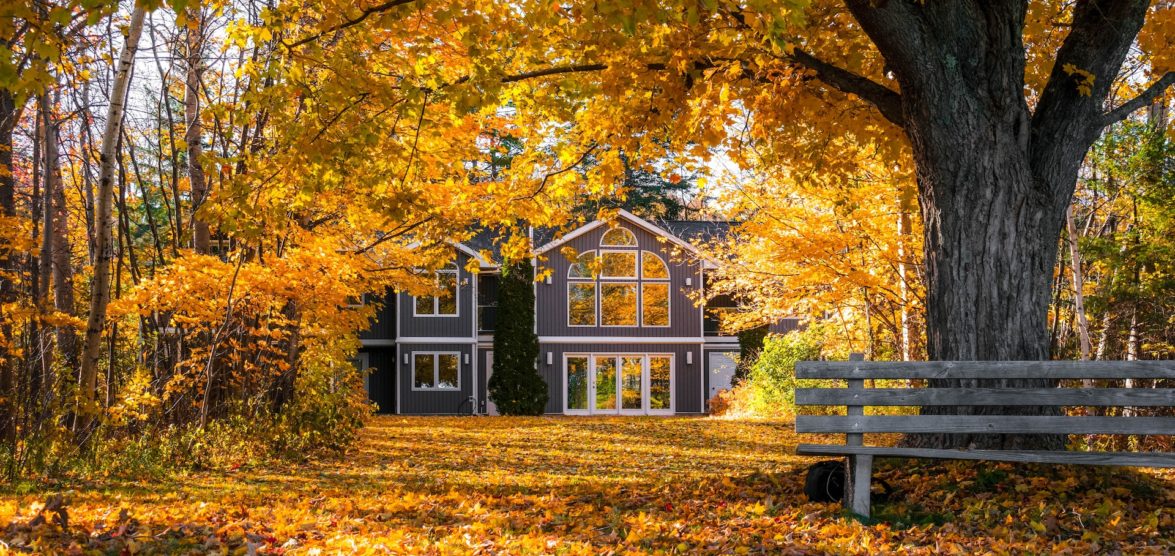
(434, 402)
(460, 326)
(383, 324)
(685, 319)
(688, 379)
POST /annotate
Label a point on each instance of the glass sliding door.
(632, 391)
(660, 384)
(605, 384)
(577, 384)
(618, 383)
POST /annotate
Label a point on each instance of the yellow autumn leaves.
(467, 485)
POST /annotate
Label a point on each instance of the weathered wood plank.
(1098, 397)
(998, 424)
(1133, 459)
(984, 369)
(858, 480)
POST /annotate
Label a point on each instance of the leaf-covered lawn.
(595, 485)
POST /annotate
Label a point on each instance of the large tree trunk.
(994, 176)
(104, 221)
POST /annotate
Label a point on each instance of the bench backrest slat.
(1096, 397)
(985, 369)
(996, 424)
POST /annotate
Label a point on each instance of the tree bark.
(1078, 287)
(58, 250)
(104, 221)
(201, 237)
(994, 176)
(9, 114)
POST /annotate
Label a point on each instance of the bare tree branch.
(1143, 99)
(368, 12)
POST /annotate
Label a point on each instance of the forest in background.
(197, 191)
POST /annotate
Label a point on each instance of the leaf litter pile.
(462, 485)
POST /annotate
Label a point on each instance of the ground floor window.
(618, 383)
(435, 371)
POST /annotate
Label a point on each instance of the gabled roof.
(678, 232)
(669, 235)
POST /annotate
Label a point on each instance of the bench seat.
(1006, 386)
(1131, 459)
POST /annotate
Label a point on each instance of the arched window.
(654, 290)
(582, 267)
(618, 237)
(653, 267)
(618, 287)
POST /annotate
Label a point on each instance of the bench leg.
(858, 478)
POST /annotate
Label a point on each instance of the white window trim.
(635, 243)
(636, 263)
(595, 303)
(436, 370)
(361, 303)
(436, 300)
(600, 303)
(645, 383)
(668, 308)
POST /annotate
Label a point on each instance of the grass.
(460, 485)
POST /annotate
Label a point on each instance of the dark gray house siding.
(688, 371)
(685, 319)
(460, 326)
(436, 402)
(383, 324)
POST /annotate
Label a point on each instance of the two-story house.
(619, 330)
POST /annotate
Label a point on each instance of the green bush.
(771, 380)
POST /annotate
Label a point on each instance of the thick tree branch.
(367, 12)
(1098, 41)
(1143, 99)
(886, 100)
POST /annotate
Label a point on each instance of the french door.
(631, 384)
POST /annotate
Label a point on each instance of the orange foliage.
(594, 485)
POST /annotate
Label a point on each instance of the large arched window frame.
(618, 285)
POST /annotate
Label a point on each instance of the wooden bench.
(856, 424)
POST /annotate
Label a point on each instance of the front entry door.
(491, 407)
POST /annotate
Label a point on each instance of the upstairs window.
(444, 304)
(618, 285)
(618, 237)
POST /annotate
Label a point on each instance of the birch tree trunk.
(1078, 286)
(201, 237)
(103, 218)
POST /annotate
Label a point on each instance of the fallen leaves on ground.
(460, 485)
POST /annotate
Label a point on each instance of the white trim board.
(436, 340)
(632, 219)
(377, 343)
(618, 340)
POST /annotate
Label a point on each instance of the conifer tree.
(515, 386)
